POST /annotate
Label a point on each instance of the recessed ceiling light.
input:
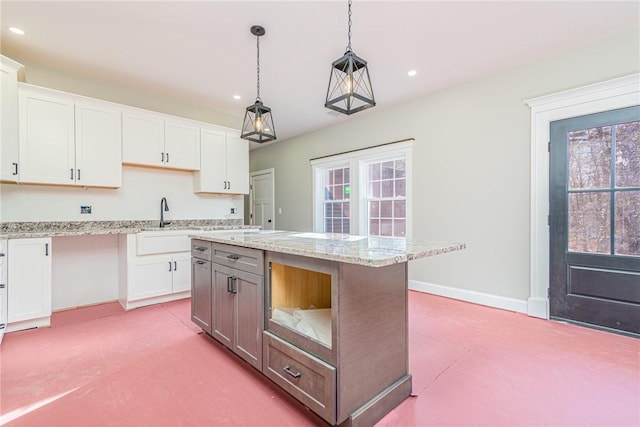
(412, 73)
(236, 96)
(16, 30)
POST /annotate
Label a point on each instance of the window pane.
(386, 209)
(387, 170)
(374, 209)
(346, 209)
(590, 158)
(374, 189)
(401, 168)
(346, 175)
(338, 192)
(337, 176)
(328, 226)
(346, 228)
(627, 223)
(387, 188)
(399, 209)
(386, 227)
(328, 177)
(628, 154)
(374, 227)
(374, 171)
(399, 228)
(589, 226)
(401, 187)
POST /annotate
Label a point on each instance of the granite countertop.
(18, 230)
(362, 250)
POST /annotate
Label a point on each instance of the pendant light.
(349, 88)
(258, 123)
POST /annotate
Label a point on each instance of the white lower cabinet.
(29, 283)
(152, 278)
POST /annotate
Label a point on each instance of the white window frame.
(357, 162)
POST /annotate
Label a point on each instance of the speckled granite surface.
(15, 230)
(369, 251)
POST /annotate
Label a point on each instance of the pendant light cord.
(258, 68)
(349, 45)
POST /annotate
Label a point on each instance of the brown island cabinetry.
(322, 316)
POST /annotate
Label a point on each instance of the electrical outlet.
(233, 210)
(85, 209)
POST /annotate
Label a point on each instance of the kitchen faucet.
(164, 206)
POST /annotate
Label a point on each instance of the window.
(365, 192)
(336, 200)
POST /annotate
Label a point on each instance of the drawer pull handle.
(200, 262)
(199, 249)
(288, 370)
(233, 257)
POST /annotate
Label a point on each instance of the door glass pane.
(590, 158)
(589, 223)
(628, 154)
(627, 223)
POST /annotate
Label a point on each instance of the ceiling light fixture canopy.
(350, 87)
(258, 122)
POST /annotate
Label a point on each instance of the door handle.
(71, 174)
(78, 174)
(175, 265)
(288, 370)
(229, 284)
(46, 249)
(162, 160)
(15, 168)
(169, 265)
(229, 188)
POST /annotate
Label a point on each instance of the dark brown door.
(595, 219)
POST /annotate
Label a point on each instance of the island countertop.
(362, 250)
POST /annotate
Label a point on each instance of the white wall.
(137, 199)
(471, 167)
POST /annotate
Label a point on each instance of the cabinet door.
(181, 145)
(47, 149)
(9, 149)
(212, 176)
(223, 305)
(181, 272)
(150, 278)
(142, 139)
(29, 279)
(98, 146)
(249, 320)
(237, 165)
(201, 293)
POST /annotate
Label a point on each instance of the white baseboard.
(511, 304)
(538, 307)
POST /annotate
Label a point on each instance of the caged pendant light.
(258, 122)
(349, 88)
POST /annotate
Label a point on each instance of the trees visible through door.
(595, 219)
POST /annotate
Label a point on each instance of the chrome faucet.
(164, 207)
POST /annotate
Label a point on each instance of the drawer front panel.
(245, 259)
(149, 243)
(201, 249)
(302, 375)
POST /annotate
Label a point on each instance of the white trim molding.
(504, 303)
(609, 95)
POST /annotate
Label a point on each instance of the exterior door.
(262, 194)
(595, 219)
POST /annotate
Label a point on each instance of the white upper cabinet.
(9, 148)
(224, 163)
(98, 145)
(66, 141)
(152, 140)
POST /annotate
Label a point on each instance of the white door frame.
(608, 95)
(272, 172)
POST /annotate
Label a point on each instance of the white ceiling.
(202, 51)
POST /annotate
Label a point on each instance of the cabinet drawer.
(245, 259)
(305, 377)
(201, 249)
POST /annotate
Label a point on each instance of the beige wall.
(471, 164)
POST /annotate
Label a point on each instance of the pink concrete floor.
(471, 365)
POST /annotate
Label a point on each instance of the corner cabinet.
(156, 141)
(9, 149)
(29, 283)
(224, 163)
(66, 141)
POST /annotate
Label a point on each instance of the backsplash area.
(137, 199)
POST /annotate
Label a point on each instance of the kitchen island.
(324, 316)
